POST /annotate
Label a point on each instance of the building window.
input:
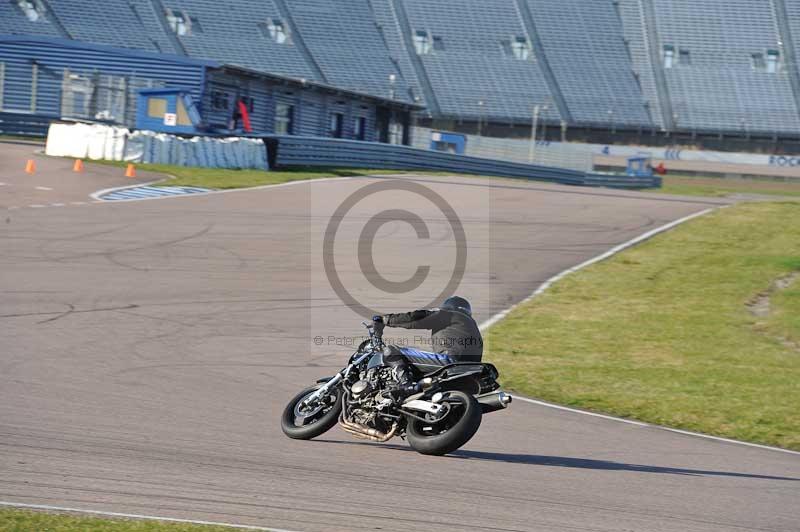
(438, 43)
(32, 9)
(684, 58)
(178, 22)
(520, 48)
(219, 100)
(772, 61)
(276, 30)
(337, 120)
(360, 128)
(669, 56)
(194, 25)
(284, 119)
(758, 62)
(395, 132)
(156, 107)
(422, 42)
(183, 114)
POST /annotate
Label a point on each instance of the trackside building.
(52, 78)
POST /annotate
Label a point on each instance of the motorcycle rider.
(455, 338)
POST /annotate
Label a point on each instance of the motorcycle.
(440, 418)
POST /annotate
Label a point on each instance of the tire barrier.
(98, 141)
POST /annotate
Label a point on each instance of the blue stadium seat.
(584, 46)
(345, 42)
(237, 32)
(693, 65)
(716, 76)
(473, 61)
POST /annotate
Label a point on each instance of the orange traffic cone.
(30, 166)
(78, 166)
(130, 171)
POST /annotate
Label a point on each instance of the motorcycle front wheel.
(304, 422)
(448, 433)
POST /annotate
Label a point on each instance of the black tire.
(449, 434)
(318, 423)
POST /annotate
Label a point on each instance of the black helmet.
(458, 304)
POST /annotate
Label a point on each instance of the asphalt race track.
(147, 349)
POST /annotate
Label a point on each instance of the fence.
(316, 151)
(561, 154)
(97, 141)
(102, 96)
(25, 124)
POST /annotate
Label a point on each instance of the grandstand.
(717, 70)
(662, 68)
(465, 49)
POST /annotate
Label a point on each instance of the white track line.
(96, 195)
(611, 252)
(648, 425)
(137, 516)
(44, 188)
(585, 412)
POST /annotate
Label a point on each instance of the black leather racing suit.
(455, 338)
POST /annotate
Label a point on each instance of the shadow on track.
(573, 463)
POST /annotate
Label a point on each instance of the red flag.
(245, 117)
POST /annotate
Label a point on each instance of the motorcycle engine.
(365, 395)
(360, 388)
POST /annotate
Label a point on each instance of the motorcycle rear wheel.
(319, 421)
(445, 436)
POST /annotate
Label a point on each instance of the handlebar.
(375, 333)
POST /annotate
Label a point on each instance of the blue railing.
(318, 151)
(29, 125)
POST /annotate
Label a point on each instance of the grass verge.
(220, 178)
(721, 187)
(662, 332)
(13, 520)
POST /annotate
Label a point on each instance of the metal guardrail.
(317, 151)
(29, 125)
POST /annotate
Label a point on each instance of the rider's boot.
(405, 383)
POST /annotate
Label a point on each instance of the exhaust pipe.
(360, 431)
(492, 401)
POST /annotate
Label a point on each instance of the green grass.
(721, 187)
(28, 521)
(661, 332)
(220, 178)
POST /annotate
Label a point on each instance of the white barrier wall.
(97, 141)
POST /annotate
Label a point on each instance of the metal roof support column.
(544, 64)
(298, 40)
(422, 75)
(652, 41)
(790, 57)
